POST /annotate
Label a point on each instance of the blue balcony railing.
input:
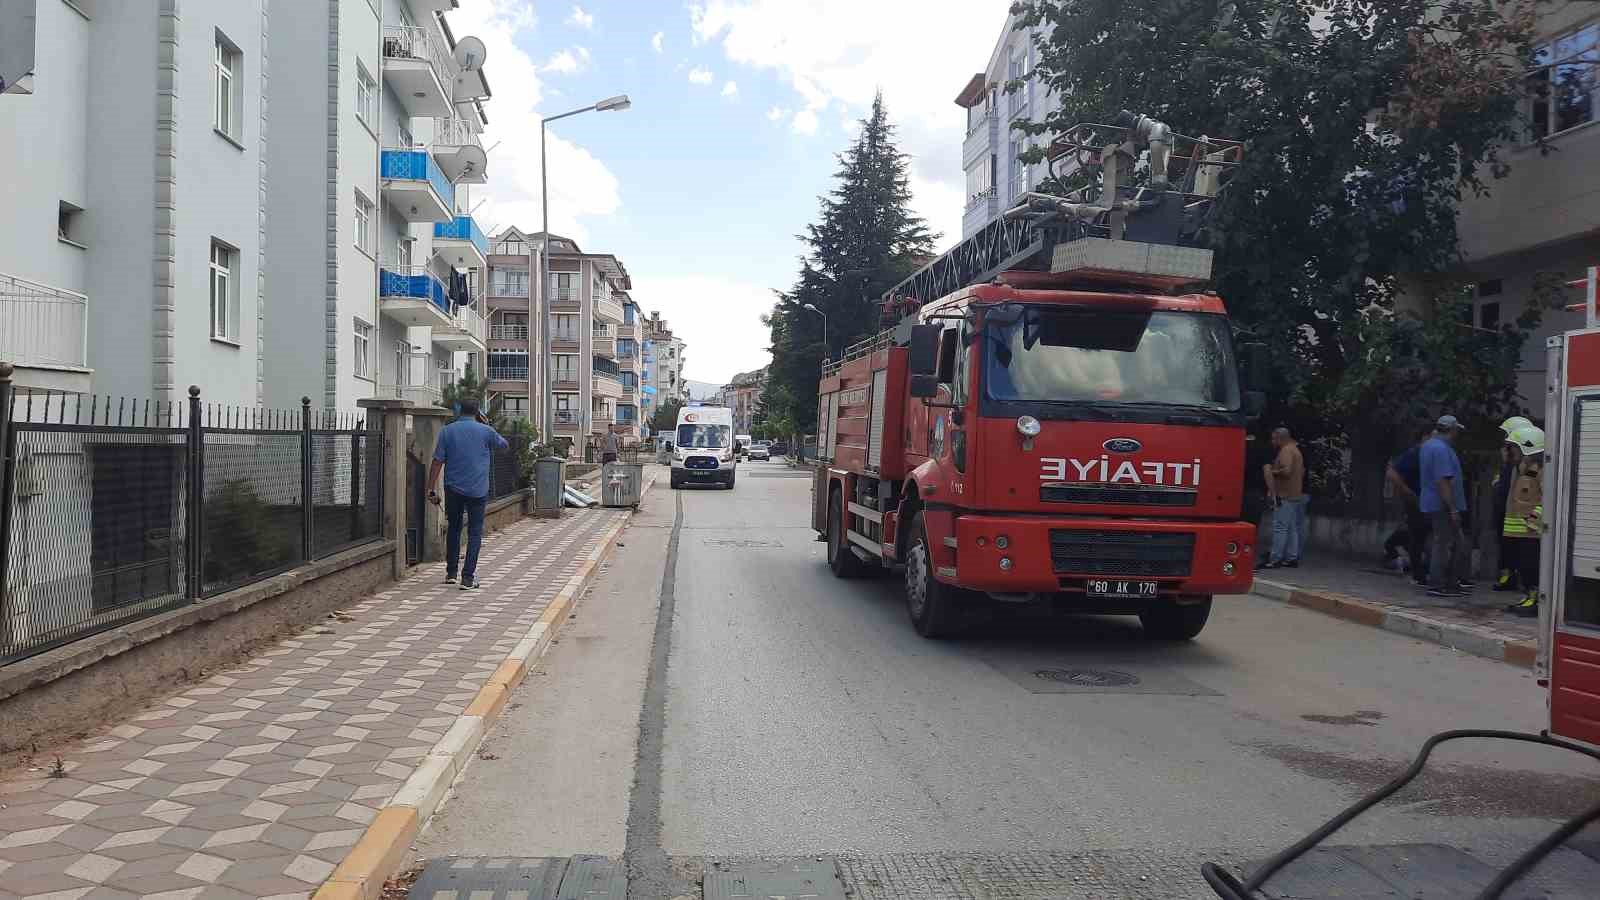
(414, 283)
(462, 228)
(418, 165)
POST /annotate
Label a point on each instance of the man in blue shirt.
(1404, 474)
(463, 452)
(1443, 500)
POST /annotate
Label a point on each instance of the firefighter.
(1524, 517)
(1509, 457)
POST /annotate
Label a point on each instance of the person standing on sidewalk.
(1404, 473)
(1510, 458)
(1287, 477)
(608, 450)
(463, 453)
(1443, 501)
(1524, 516)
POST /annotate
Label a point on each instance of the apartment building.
(743, 396)
(1542, 217)
(376, 267)
(990, 150)
(131, 245)
(623, 410)
(662, 373)
(591, 336)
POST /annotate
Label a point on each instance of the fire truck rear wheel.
(934, 607)
(840, 559)
(1176, 622)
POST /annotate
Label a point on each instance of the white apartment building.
(375, 266)
(592, 336)
(662, 374)
(995, 176)
(132, 240)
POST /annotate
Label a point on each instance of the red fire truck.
(1059, 418)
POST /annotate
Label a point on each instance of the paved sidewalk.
(258, 781)
(1363, 591)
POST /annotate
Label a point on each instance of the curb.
(386, 845)
(1464, 638)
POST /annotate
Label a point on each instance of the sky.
(739, 107)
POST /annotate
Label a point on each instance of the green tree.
(865, 240)
(665, 418)
(1364, 125)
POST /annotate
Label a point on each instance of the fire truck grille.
(1148, 554)
(1099, 493)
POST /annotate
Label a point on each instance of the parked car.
(758, 450)
(778, 448)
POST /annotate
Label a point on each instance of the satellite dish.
(471, 162)
(469, 54)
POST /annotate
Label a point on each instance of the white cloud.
(805, 122)
(777, 114)
(656, 39)
(719, 317)
(730, 89)
(700, 75)
(887, 47)
(564, 62)
(581, 187)
(583, 54)
(580, 19)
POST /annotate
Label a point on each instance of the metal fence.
(505, 467)
(116, 510)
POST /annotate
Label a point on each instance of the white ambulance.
(704, 449)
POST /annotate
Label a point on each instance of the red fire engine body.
(1065, 428)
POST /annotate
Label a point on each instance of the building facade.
(743, 396)
(989, 152)
(662, 373)
(591, 336)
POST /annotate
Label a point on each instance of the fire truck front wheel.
(934, 607)
(1174, 621)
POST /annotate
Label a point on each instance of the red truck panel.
(854, 398)
(1575, 687)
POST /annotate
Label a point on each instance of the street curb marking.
(1465, 638)
(385, 847)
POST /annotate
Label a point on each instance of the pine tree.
(866, 239)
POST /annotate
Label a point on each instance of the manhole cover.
(1087, 677)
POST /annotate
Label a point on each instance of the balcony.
(606, 385)
(599, 421)
(630, 387)
(567, 420)
(467, 332)
(461, 243)
(508, 333)
(608, 310)
(418, 68)
(415, 186)
(459, 150)
(604, 342)
(628, 330)
(413, 296)
(44, 332)
(416, 394)
(565, 302)
(505, 372)
(564, 382)
(980, 139)
(564, 342)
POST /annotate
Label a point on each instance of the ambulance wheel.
(677, 481)
(934, 607)
(731, 477)
(841, 559)
(1175, 622)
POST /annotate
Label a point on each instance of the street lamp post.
(610, 104)
(825, 348)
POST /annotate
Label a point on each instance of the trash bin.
(621, 484)
(549, 484)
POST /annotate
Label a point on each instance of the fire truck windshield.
(1083, 355)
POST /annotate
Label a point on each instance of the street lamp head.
(813, 308)
(617, 103)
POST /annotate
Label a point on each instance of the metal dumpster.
(621, 484)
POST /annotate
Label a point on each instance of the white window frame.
(223, 295)
(366, 96)
(363, 333)
(226, 84)
(1565, 52)
(363, 222)
(557, 279)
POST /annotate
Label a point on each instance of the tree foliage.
(1365, 125)
(665, 419)
(865, 240)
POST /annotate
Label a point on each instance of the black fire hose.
(1229, 887)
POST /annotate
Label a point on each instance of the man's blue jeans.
(456, 507)
(1288, 530)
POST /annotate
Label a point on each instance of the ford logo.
(1123, 445)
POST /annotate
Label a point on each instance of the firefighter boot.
(1527, 607)
(1506, 581)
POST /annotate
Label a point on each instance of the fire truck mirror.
(924, 386)
(924, 357)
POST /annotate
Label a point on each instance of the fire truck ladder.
(1146, 233)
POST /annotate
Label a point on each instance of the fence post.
(306, 481)
(195, 519)
(5, 499)
(355, 484)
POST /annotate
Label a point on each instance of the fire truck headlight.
(1028, 426)
(1005, 563)
(1227, 568)
(1233, 548)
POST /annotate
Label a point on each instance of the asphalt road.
(782, 713)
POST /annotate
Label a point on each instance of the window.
(69, 223)
(516, 407)
(1561, 94)
(979, 184)
(597, 288)
(1491, 288)
(513, 247)
(402, 130)
(510, 282)
(562, 284)
(565, 366)
(1019, 172)
(1489, 315)
(563, 403)
(403, 254)
(226, 86)
(363, 349)
(628, 313)
(224, 324)
(1016, 69)
(363, 223)
(564, 327)
(366, 96)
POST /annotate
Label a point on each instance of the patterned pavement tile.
(256, 781)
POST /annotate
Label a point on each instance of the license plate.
(1120, 590)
